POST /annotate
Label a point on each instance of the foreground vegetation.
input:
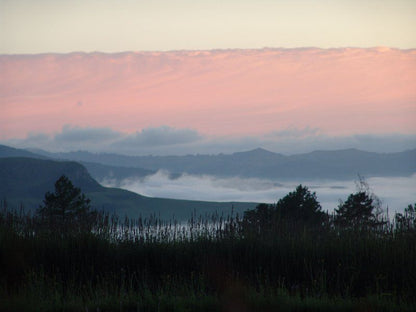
(290, 256)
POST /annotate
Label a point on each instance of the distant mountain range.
(25, 176)
(339, 164)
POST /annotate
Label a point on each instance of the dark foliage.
(301, 206)
(356, 211)
(209, 264)
(67, 210)
(296, 211)
(361, 211)
(406, 222)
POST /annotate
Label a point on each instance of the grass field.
(205, 265)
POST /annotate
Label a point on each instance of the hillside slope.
(26, 180)
(99, 172)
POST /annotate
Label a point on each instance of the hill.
(26, 180)
(7, 151)
(99, 172)
(102, 172)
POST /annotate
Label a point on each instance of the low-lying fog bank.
(395, 192)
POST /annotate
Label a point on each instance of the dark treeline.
(289, 256)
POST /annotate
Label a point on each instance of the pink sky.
(218, 92)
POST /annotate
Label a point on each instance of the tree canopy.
(299, 208)
(301, 205)
(361, 210)
(66, 209)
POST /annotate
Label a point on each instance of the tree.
(361, 210)
(356, 211)
(67, 209)
(301, 206)
(260, 219)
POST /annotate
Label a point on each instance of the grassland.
(208, 264)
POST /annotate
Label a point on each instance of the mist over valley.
(396, 193)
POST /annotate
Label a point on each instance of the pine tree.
(67, 209)
(361, 210)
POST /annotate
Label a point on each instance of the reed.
(209, 263)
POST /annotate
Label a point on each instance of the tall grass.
(209, 263)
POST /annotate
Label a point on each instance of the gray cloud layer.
(162, 136)
(75, 135)
(172, 141)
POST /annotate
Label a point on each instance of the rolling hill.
(98, 171)
(25, 181)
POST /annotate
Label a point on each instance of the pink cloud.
(218, 92)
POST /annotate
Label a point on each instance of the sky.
(28, 26)
(178, 77)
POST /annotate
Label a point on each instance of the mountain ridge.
(321, 164)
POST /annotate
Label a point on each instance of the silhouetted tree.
(361, 210)
(356, 211)
(298, 209)
(260, 219)
(67, 209)
(301, 206)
